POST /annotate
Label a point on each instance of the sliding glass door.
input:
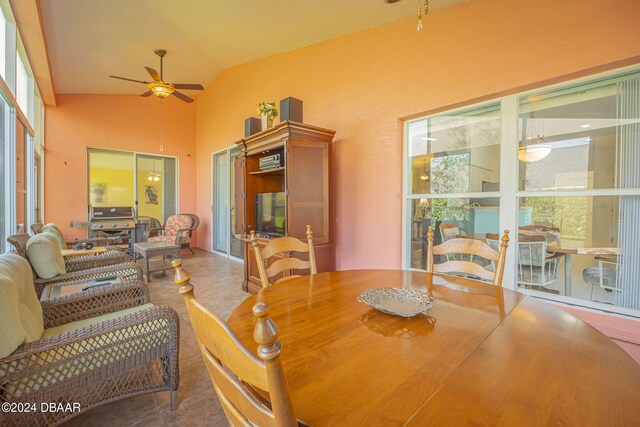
(122, 178)
(224, 240)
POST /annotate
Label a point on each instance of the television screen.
(270, 214)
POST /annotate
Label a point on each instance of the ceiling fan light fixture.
(161, 90)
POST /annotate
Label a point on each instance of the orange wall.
(121, 122)
(361, 84)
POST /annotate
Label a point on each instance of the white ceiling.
(89, 40)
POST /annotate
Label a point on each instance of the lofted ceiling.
(89, 40)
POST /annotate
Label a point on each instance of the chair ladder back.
(471, 247)
(283, 245)
(231, 364)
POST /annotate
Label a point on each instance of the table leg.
(567, 275)
(146, 259)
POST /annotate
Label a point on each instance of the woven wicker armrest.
(94, 302)
(116, 358)
(128, 271)
(148, 232)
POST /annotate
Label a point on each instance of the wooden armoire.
(304, 176)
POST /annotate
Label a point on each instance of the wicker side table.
(149, 250)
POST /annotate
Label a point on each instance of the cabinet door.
(239, 195)
(307, 180)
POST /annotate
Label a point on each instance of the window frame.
(509, 194)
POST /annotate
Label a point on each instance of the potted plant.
(268, 112)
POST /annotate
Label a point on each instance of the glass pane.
(156, 187)
(22, 84)
(456, 153)
(474, 218)
(235, 248)
(110, 178)
(580, 139)
(21, 179)
(221, 197)
(579, 247)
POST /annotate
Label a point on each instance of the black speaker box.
(291, 109)
(252, 125)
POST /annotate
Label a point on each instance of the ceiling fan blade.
(182, 96)
(391, 1)
(130, 80)
(154, 74)
(147, 93)
(188, 86)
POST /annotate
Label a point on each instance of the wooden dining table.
(481, 356)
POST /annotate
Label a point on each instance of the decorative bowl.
(397, 301)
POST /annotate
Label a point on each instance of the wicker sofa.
(38, 227)
(86, 349)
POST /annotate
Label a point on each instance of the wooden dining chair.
(284, 247)
(237, 373)
(468, 247)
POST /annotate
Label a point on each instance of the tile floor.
(218, 284)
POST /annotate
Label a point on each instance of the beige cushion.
(45, 256)
(20, 311)
(55, 231)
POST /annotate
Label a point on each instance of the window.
(454, 179)
(22, 85)
(571, 187)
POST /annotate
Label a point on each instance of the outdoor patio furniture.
(177, 229)
(148, 250)
(603, 276)
(59, 353)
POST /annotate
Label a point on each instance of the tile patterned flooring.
(218, 284)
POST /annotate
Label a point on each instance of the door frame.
(212, 187)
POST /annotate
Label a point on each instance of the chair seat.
(167, 239)
(87, 354)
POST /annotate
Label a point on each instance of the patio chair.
(72, 263)
(178, 230)
(604, 276)
(466, 246)
(84, 359)
(52, 268)
(235, 372)
(283, 249)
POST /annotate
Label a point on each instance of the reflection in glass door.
(224, 239)
(156, 186)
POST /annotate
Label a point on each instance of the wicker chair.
(75, 263)
(176, 230)
(60, 353)
(83, 268)
(96, 241)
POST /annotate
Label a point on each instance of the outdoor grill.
(118, 223)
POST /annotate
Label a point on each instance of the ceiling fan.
(158, 87)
